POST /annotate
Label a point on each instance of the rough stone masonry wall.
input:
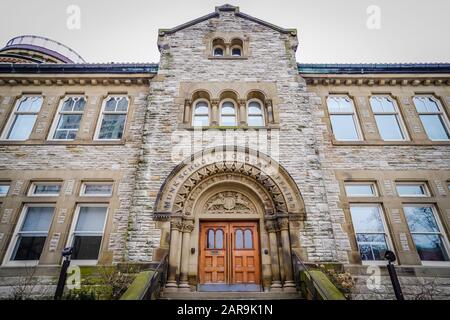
(183, 59)
(120, 158)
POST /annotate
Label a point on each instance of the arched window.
(210, 244)
(236, 47)
(219, 239)
(201, 114)
(248, 236)
(228, 114)
(255, 115)
(239, 239)
(218, 47)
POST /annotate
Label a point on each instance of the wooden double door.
(229, 256)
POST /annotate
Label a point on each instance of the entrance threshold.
(222, 287)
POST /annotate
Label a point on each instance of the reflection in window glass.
(4, 188)
(344, 127)
(24, 118)
(33, 233)
(113, 118)
(255, 117)
(360, 190)
(248, 239)
(219, 239)
(210, 244)
(228, 114)
(432, 117)
(47, 189)
(69, 118)
(411, 190)
(370, 233)
(239, 239)
(425, 232)
(201, 115)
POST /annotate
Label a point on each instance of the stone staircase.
(230, 296)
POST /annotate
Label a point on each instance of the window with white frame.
(87, 231)
(361, 189)
(255, 114)
(96, 189)
(68, 119)
(4, 188)
(370, 229)
(45, 189)
(432, 117)
(412, 189)
(200, 117)
(387, 116)
(112, 119)
(426, 232)
(344, 122)
(23, 118)
(228, 114)
(31, 232)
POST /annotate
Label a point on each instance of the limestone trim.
(177, 192)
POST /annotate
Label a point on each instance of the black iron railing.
(157, 281)
(305, 284)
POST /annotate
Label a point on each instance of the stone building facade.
(229, 157)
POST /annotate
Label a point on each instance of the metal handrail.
(158, 279)
(298, 261)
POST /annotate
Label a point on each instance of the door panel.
(229, 254)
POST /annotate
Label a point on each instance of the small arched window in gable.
(201, 114)
(228, 114)
(218, 48)
(236, 47)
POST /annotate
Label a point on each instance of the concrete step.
(230, 296)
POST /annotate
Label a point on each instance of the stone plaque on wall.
(69, 187)
(440, 188)
(6, 217)
(17, 187)
(388, 187)
(404, 242)
(62, 215)
(395, 213)
(54, 242)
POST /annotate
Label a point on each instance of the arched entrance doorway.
(230, 218)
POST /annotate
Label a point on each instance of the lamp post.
(390, 257)
(66, 253)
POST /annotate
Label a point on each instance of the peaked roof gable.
(216, 13)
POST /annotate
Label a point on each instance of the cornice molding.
(377, 80)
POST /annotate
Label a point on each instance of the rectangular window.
(357, 189)
(32, 233)
(96, 189)
(344, 121)
(87, 231)
(387, 117)
(22, 120)
(45, 189)
(432, 117)
(112, 119)
(68, 120)
(412, 189)
(426, 232)
(4, 189)
(369, 226)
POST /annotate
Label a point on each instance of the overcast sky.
(330, 31)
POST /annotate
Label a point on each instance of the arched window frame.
(235, 112)
(60, 113)
(353, 113)
(440, 113)
(263, 112)
(194, 107)
(236, 47)
(218, 47)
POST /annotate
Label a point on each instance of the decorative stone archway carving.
(226, 182)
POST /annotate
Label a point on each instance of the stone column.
(271, 227)
(187, 111)
(269, 107)
(242, 113)
(175, 227)
(289, 284)
(188, 226)
(214, 112)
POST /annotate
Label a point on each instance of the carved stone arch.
(229, 94)
(257, 167)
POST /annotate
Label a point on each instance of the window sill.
(189, 127)
(388, 143)
(211, 57)
(63, 143)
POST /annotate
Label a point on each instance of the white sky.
(330, 31)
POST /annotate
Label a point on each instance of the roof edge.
(399, 68)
